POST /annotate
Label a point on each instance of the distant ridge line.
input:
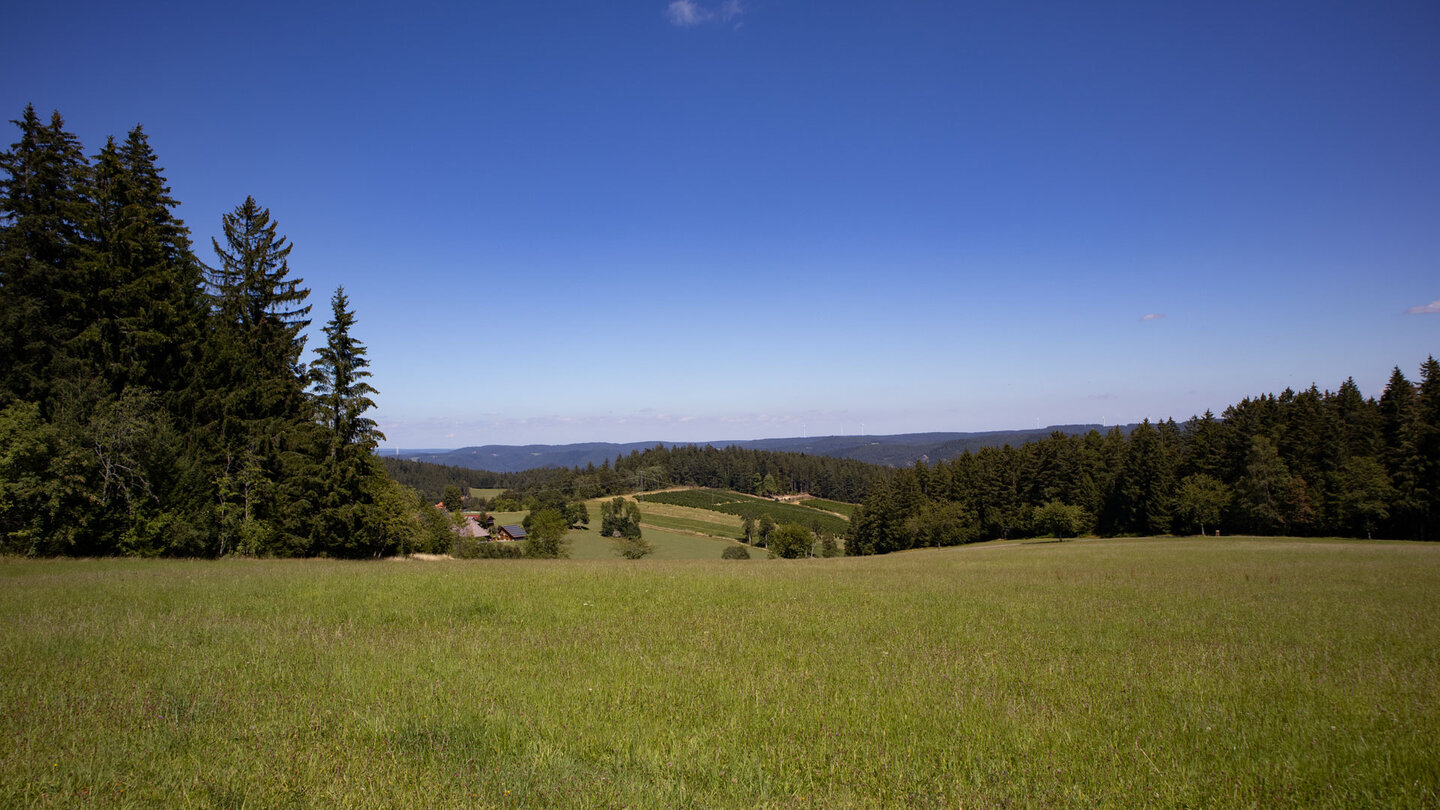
(895, 449)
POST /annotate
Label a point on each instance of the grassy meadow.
(1145, 672)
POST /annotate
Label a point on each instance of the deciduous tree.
(1201, 501)
(791, 540)
(545, 539)
(1367, 493)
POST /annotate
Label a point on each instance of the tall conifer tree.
(44, 239)
(350, 522)
(339, 377)
(256, 411)
(145, 278)
(1427, 448)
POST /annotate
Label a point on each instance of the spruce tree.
(350, 522)
(1398, 413)
(142, 342)
(144, 278)
(256, 412)
(339, 379)
(44, 240)
(1427, 449)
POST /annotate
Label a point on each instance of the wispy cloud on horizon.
(688, 13)
(1428, 309)
(1152, 316)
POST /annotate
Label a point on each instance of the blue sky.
(649, 220)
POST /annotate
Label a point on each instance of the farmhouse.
(511, 532)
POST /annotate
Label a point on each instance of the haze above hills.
(893, 450)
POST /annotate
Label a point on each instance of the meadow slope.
(1149, 672)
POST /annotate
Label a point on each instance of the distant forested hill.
(897, 450)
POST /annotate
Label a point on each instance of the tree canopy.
(150, 405)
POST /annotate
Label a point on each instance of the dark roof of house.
(514, 531)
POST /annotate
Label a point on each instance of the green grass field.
(587, 544)
(1148, 672)
(508, 518)
(690, 519)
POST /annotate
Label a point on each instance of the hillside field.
(838, 507)
(1140, 672)
(675, 532)
(741, 505)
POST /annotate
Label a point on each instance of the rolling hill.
(893, 450)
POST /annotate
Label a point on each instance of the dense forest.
(1307, 463)
(153, 404)
(762, 472)
(431, 480)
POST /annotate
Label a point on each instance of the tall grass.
(1235, 673)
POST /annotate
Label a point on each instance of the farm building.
(472, 528)
(511, 532)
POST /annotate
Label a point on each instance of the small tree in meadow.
(545, 537)
(1202, 499)
(1061, 520)
(620, 518)
(766, 526)
(791, 540)
(576, 514)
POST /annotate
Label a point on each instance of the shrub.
(735, 553)
(632, 548)
(473, 548)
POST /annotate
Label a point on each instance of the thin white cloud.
(1153, 316)
(1429, 309)
(687, 13)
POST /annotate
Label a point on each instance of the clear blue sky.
(612, 221)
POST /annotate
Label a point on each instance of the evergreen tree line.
(432, 480)
(1307, 463)
(759, 472)
(151, 404)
